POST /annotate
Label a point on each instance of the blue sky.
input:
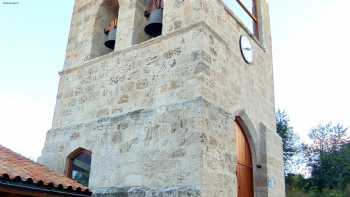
(312, 74)
(311, 66)
(33, 40)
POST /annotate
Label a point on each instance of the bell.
(155, 23)
(110, 38)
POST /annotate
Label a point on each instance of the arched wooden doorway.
(244, 164)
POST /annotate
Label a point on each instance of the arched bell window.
(105, 28)
(247, 12)
(78, 166)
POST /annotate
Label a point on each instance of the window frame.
(253, 15)
(70, 159)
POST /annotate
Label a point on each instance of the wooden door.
(244, 164)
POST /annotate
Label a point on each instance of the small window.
(246, 10)
(79, 163)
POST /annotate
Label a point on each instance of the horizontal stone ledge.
(200, 100)
(146, 192)
(199, 25)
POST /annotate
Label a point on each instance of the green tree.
(325, 139)
(333, 170)
(329, 157)
(291, 142)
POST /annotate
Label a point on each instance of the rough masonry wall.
(234, 84)
(81, 31)
(158, 116)
(152, 149)
(82, 43)
(218, 150)
(238, 87)
(162, 71)
(120, 107)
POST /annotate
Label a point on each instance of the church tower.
(187, 113)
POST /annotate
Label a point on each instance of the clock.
(246, 49)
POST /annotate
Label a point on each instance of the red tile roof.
(16, 167)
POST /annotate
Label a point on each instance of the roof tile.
(15, 165)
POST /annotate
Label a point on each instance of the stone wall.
(158, 72)
(158, 115)
(156, 149)
(82, 44)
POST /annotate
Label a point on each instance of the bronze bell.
(110, 38)
(155, 23)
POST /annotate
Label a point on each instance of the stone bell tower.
(168, 116)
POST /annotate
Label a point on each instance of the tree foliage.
(333, 170)
(328, 157)
(325, 139)
(329, 179)
(291, 142)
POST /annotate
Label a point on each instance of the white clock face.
(246, 49)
